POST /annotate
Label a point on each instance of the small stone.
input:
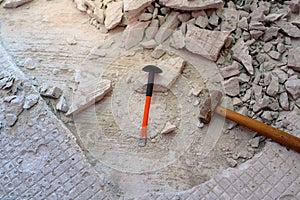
(184, 17)
(168, 128)
(273, 17)
(257, 91)
(30, 101)
(15, 3)
(256, 34)
(11, 119)
(247, 95)
(292, 85)
(113, 14)
(245, 154)
(243, 78)
(284, 101)
(177, 40)
(231, 87)
(196, 102)
(62, 105)
(202, 20)
(231, 162)
(231, 70)
(267, 47)
(261, 104)
(151, 31)
(151, 44)
(214, 19)
(230, 18)
(51, 92)
(270, 33)
(29, 64)
(294, 59)
(200, 124)
(72, 41)
(254, 142)
(145, 17)
(237, 101)
(243, 24)
(281, 47)
(274, 54)
(158, 52)
(267, 116)
(191, 5)
(241, 53)
(134, 34)
(196, 90)
(290, 29)
(273, 87)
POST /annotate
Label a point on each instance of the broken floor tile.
(205, 42)
(89, 95)
(241, 53)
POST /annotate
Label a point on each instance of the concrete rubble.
(89, 95)
(169, 128)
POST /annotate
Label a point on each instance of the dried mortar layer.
(256, 97)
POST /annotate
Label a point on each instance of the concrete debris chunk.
(151, 31)
(89, 95)
(230, 19)
(256, 34)
(145, 17)
(214, 19)
(114, 14)
(247, 95)
(10, 119)
(237, 102)
(158, 52)
(177, 40)
(273, 87)
(270, 33)
(133, 8)
(261, 104)
(205, 42)
(292, 85)
(151, 44)
(294, 59)
(172, 68)
(273, 17)
(29, 63)
(134, 34)
(15, 3)
(184, 17)
(201, 19)
(260, 13)
(30, 101)
(281, 47)
(268, 116)
(169, 128)
(51, 92)
(231, 70)
(284, 101)
(257, 91)
(80, 5)
(167, 28)
(90, 4)
(241, 53)
(243, 24)
(231, 162)
(231, 87)
(290, 29)
(254, 142)
(295, 6)
(191, 5)
(62, 105)
(99, 15)
(274, 54)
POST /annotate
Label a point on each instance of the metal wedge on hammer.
(211, 105)
(152, 70)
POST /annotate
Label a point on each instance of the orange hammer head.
(210, 104)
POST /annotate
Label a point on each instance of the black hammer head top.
(152, 68)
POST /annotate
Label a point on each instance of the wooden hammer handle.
(277, 135)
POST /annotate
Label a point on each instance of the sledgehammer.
(211, 105)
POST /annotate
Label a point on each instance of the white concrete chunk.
(89, 95)
(231, 87)
(30, 101)
(273, 87)
(284, 101)
(241, 53)
(169, 128)
(292, 85)
(177, 40)
(114, 14)
(134, 34)
(151, 31)
(158, 52)
(167, 28)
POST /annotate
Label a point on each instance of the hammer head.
(152, 68)
(210, 104)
